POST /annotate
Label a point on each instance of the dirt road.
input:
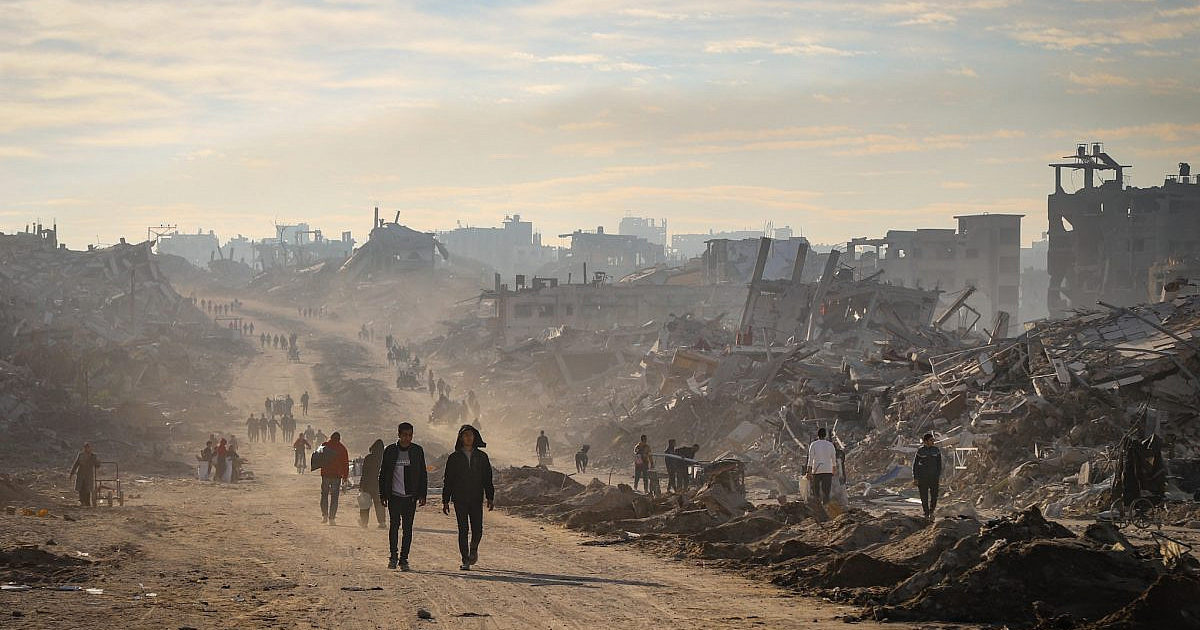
(256, 555)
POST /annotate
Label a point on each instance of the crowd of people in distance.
(309, 312)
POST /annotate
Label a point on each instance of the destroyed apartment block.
(982, 256)
(392, 247)
(1106, 238)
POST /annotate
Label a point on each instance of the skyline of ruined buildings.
(1104, 241)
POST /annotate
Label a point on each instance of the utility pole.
(132, 303)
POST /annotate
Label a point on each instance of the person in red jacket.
(332, 475)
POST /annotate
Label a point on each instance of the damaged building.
(614, 255)
(508, 249)
(299, 245)
(526, 310)
(1105, 237)
(982, 257)
(393, 247)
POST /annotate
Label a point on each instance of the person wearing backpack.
(927, 472)
(334, 468)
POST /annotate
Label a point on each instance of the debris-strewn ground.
(1020, 570)
(97, 345)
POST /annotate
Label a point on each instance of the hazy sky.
(838, 118)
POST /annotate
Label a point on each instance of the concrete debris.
(85, 336)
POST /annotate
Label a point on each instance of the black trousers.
(822, 485)
(469, 513)
(929, 495)
(401, 511)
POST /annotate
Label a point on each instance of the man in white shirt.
(403, 485)
(822, 464)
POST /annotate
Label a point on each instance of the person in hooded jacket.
(468, 485)
(927, 472)
(403, 481)
(369, 484)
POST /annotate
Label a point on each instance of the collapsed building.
(613, 255)
(983, 255)
(393, 247)
(98, 345)
(1105, 237)
(297, 246)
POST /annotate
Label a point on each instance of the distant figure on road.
(369, 484)
(84, 471)
(332, 474)
(822, 464)
(581, 459)
(222, 455)
(252, 428)
(304, 403)
(269, 407)
(927, 473)
(671, 466)
(432, 384)
(468, 484)
(403, 482)
(542, 448)
(310, 435)
(643, 461)
(683, 478)
(301, 447)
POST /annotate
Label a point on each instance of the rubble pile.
(98, 345)
(1021, 569)
(1036, 419)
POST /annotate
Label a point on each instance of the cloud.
(544, 89)
(1100, 79)
(11, 152)
(805, 49)
(963, 71)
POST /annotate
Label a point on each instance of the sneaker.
(391, 563)
(465, 567)
(404, 566)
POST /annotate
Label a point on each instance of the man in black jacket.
(927, 471)
(467, 484)
(403, 485)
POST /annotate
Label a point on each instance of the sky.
(838, 118)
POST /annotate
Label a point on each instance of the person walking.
(671, 465)
(336, 469)
(84, 471)
(822, 465)
(304, 403)
(369, 484)
(468, 485)
(643, 461)
(581, 459)
(403, 482)
(542, 448)
(927, 473)
(684, 456)
(252, 428)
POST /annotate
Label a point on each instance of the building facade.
(1105, 237)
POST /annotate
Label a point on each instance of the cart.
(108, 485)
